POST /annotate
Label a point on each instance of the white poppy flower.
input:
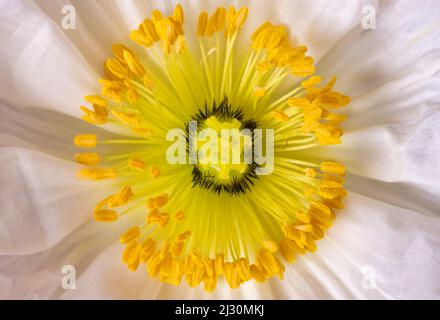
(220, 228)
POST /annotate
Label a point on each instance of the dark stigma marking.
(238, 185)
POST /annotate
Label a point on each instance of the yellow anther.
(231, 21)
(166, 46)
(263, 27)
(183, 236)
(202, 24)
(303, 67)
(154, 171)
(148, 82)
(231, 275)
(133, 64)
(299, 102)
(136, 164)
(319, 208)
(280, 116)
(141, 38)
(310, 172)
(131, 234)
(161, 201)
(210, 283)
(134, 259)
(178, 14)
(302, 216)
(288, 249)
(117, 68)
(345, 100)
(218, 264)
(311, 82)
(270, 245)
(327, 134)
(289, 230)
(150, 203)
(97, 173)
(85, 140)
(118, 52)
(148, 246)
(105, 215)
(264, 66)
(156, 15)
(128, 118)
(336, 118)
(177, 248)
(179, 216)
(97, 117)
(211, 26)
(147, 27)
(330, 99)
(156, 216)
(89, 158)
(96, 100)
(128, 251)
(309, 192)
(311, 119)
(121, 198)
(304, 227)
(132, 96)
(180, 44)
(333, 168)
(259, 92)
(241, 17)
(220, 18)
(257, 273)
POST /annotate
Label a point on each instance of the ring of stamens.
(189, 222)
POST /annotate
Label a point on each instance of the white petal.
(393, 76)
(41, 200)
(40, 275)
(373, 251)
(39, 67)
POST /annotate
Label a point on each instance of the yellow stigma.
(202, 217)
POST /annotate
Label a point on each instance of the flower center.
(223, 143)
(198, 207)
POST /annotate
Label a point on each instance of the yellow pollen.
(96, 100)
(85, 140)
(97, 173)
(333, 168)
(105, 215)
(179, 216)
(89, 158)
(154, 171)
(131, 234)
(136, 164)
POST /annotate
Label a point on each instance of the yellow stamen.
(131, 234)
(105, 215)
(179, 216)
(96, 100)
(154, 171)
(136, 164)
(85, 140)
(97, 173)
(89, 158)
(333, 168)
